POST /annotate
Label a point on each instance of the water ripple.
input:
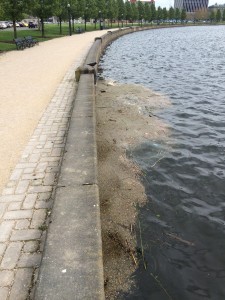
(186, 188)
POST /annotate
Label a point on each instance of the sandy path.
(28, 80)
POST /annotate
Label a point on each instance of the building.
(191, 5)
(215, 7)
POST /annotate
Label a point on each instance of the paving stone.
(56, 152)
(25, 235)
(30, 246)
(50, 159)
(44, 196)
(37, 182)
(18, 214)
(14, 206)
(29, 260)
(53, 164)
(12, 198)
(30, 201)
(50, 179)
(22, 187)
(2, 248)
(3, 207)
(38, 219)
(22, 224)
(16, 174)
(12, 183)
(11, 256)
(8, 191)
(35, 278)
(21, 284)
(41, 167)
(28, 170)
(25, 165)
(33, 176)
(34, 157)
(40, 189)
(6, 278)
(53, 169)
(43, 204)
(4, 293)
(5, 230)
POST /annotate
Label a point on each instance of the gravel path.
(28, 80)
(36, 100)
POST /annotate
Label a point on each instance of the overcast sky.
(168, 3)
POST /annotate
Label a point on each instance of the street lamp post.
(69, 15)
(85, 18)
(100, 20)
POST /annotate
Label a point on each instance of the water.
(183, 223)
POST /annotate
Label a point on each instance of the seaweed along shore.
(125, 118)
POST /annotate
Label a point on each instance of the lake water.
(183, 223)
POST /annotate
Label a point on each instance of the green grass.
(51, 31)
(7, 46)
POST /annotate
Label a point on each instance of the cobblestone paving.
(26, 201)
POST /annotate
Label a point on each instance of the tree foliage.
(212, 16)
(171, 13)
(13, 10)
(183, 15)
(177, 14)
(218, 15)
(87, 9)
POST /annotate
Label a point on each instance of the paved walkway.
(27, 196)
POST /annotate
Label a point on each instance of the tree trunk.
(60, 25)
(14, 29)
(73, 24)
(42, 28)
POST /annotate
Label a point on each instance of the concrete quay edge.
(72, 264)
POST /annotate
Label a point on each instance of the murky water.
(182, 227)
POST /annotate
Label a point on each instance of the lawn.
(51, 31)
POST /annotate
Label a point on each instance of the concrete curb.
(72, 266)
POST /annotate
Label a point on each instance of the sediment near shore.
(124, 119)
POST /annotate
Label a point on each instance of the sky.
(168, 3)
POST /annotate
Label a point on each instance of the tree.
(90, 10)
(121, 10)
(148, 12)
(60, 11)
(218, 15)
(134, 11)
(1, 12)
(171, 13)
(212, 16)
(201, 14)
(153, 10)
(159, 14)
(177, 14)
(101, 6)
(223, 16)
(13, 10)
(128, 11)
(141, 11)
(74, 10)
(43, 9)
(183, 15)
(164, 14)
